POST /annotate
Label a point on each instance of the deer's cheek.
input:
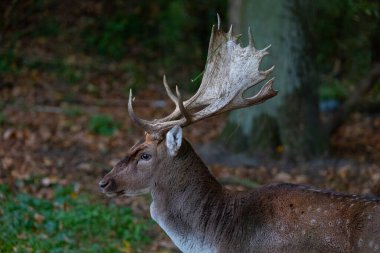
(144, 166)
(143, 175)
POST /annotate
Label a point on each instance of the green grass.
(66, 223)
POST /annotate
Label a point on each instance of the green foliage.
(137, 78)
(48, 28)
(343, 40)
(155, 34)
(173, 19)
(2, 118)
(67, 72)
(8, 61)
(66, 223)
(159, 37)
(110, 38)
(332, 90)
(103, 125)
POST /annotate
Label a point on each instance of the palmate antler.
(230, 71)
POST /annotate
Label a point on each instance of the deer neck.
(184, 182)
(184, 201)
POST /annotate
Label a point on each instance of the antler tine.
(267, 72)
(264, 93)
(230, 33)
(178, 101)
(250, 39)
(144, 124)
(218, 17)
(168, 90)
(264, 51)
(182, 108)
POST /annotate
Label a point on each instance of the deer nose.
(103, 183)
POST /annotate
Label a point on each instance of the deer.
(202, 216)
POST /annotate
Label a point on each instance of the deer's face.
(133, 175)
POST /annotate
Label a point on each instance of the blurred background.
(66, 68)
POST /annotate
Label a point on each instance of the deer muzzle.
(107, 185)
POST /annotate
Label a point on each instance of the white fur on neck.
(187, 243)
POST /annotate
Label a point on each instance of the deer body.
(201, 216)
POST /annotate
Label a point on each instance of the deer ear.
(174, 140)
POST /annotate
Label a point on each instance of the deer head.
(230, 71)
(134, 174)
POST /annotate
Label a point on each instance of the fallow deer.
(198, 213)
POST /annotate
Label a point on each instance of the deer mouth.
(127, 194)
(111, 194)
(109, 188)
(124, 193)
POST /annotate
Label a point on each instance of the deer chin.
(126, 193)
(136, 193)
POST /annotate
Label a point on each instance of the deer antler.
(230, 71)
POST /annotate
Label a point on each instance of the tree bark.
(288, 123)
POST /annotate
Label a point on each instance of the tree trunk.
(288, 123)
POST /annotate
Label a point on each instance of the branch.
(364, 86)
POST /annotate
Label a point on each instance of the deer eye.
(145, 156)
